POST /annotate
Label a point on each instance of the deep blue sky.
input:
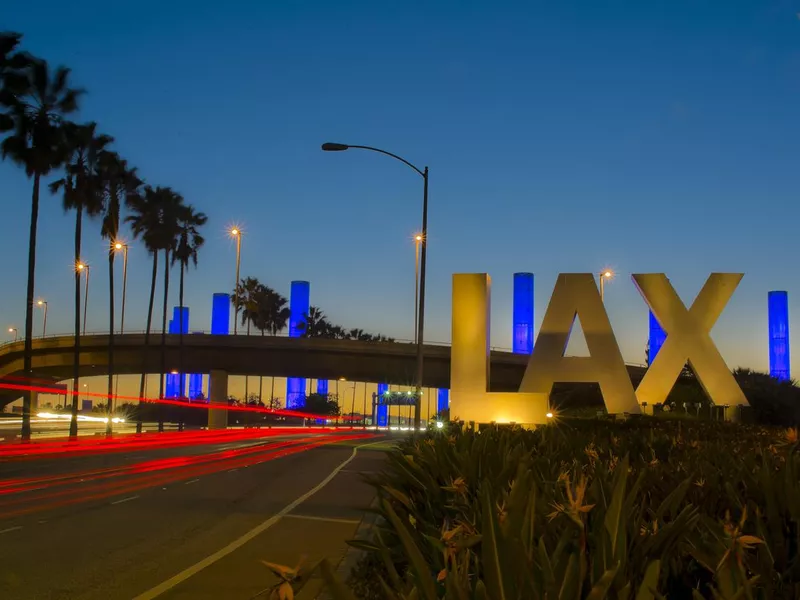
(561, 137)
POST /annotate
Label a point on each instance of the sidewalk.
(316, 529)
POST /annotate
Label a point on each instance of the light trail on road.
(23, 496)
(63, 448)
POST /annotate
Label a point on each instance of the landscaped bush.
(646, 508)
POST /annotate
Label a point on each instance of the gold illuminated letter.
(470, 399)
(688, 339)
(576, 294)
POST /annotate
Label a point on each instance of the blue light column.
(382, 410)
(656, 338)
(195, 385)
(221, 314)
(172, 380)
(522, 314)
(778, 316)
(176, 384)
(322, 387)
(442, 400)
(299, 303)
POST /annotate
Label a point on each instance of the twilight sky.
(562, 137)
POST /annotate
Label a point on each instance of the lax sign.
(576, 294)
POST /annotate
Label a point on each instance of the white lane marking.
(125, 500)
(192, 481)
(238, 543)
(10, 529)
(325, 519)
(233, 470)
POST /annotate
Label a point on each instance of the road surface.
(180, 522)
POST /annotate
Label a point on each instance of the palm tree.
(148, 222)
(189, 242)
(36, 115)
(120, 184)
(12, 76)
(272, 314)
(82, 191)
(315, 323)
(171, 208)
(244, 299)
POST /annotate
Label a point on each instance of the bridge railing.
(157, 334)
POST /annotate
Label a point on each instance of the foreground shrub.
(589, 509)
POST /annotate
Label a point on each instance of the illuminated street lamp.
(85, 268)
(334, 147)
(123, 247)
(604, 275)
(43, 304)
(14, 331)
(235, 232)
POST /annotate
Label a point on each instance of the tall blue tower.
(221, 314)
(299, 304)
(778, 316)
(656, 338)
(176, 382)
(442, 400)
(382, 410)
(522, 334)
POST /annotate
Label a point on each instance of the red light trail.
(57, 491)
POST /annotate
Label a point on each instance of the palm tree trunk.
(246, 378)
(180, 349)
(261, 381)
(110, 403)
(27, 360)
(180, 334)
(76, 364)
(147, 341)
(163, 342)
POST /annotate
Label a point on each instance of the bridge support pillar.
(218, 399)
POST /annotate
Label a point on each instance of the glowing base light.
(439, 425)
(57, 416)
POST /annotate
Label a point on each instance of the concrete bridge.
(317, 358)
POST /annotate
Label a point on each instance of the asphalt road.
(186, 522)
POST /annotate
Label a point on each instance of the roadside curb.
(353, 555)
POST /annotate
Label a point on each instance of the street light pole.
(238, 235)
(334, 147)
(43, 303)
(417, 240)
(603, 276)
(85, 297)
(124, 248)
(14, 331)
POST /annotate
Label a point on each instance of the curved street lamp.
(335, 147)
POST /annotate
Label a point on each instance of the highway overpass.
(278, 356)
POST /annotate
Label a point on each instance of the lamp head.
(40, 302)
(119, 246)
(334, 147)
(608, 274)
(235, 231)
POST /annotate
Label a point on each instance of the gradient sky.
(561, 137)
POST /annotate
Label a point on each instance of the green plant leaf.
(491, 550)
(600, 589)
(419, 565)
(614, 511)
(650, 583)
